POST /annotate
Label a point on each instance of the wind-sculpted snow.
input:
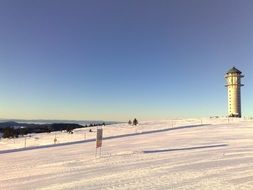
(216, 156)
(91, 140)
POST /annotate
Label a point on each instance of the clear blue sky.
(115, 60)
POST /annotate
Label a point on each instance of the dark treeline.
(13, 129)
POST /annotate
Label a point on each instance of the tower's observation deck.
(233, 78)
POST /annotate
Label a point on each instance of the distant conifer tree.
(129, 122)
(10, 132)
(70, 130)
(135, 122)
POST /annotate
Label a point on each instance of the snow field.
(215, 156)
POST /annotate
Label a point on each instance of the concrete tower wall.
(234, 100)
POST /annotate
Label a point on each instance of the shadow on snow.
(186, 148)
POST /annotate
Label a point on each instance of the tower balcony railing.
(227, 76)
(235, 84)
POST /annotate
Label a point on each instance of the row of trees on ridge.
(135, 122)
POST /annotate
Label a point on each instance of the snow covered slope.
(178, 154)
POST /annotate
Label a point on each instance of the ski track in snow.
(209, 157)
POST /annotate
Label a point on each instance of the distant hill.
(13, 124)
(80, 122)
(14, 129)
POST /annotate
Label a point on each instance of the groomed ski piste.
(205, 154)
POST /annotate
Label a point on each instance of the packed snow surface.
(180, 154)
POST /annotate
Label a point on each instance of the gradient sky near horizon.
(115, 60)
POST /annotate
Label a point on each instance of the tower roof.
(234, 70)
